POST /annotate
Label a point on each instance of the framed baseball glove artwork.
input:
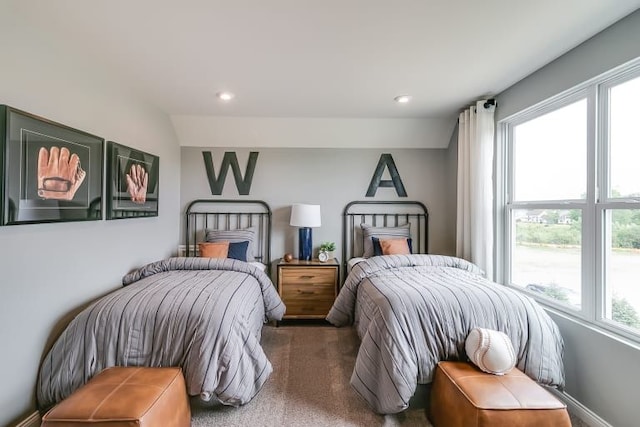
(50, 172)
(132, 182)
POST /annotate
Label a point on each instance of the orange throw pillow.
(214, 249)
(394, 247)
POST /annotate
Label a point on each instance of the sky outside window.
(625, 138)
(550, 155)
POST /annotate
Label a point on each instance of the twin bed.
(413, 310)
(206, 314)
(202, 314)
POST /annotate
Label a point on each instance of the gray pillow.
(234, 236)
(369, 231)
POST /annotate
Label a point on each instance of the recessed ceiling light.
(402, 99)
(225, 96)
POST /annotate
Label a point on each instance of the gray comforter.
(412, 311)
(204, 315)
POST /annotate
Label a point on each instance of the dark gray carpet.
(310, 386)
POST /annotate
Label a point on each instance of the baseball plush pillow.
(490, 350)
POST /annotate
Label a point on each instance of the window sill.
(609, 332)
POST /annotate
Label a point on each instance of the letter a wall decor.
(216, 183)
(386, 160)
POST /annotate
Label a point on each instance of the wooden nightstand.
(308, 288)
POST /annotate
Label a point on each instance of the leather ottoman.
(126, 396)
(464, 396)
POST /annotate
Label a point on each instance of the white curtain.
(474, 233)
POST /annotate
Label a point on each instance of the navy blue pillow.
(238, 250)
(377, 249)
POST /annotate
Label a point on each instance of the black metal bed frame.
(200, 216)
(399, 212)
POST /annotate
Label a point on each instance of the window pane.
(550, 155)
(624, 137)
(622, 286)
(546, 253)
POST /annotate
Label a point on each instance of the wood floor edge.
(579, 410)
(32, 420)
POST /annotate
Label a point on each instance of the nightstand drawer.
(318, 307)
(308, 291)
(308, 275)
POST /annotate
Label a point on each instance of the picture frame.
(50, 171)
(132, 182)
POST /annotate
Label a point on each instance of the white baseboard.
(32, 420)
(579, 410)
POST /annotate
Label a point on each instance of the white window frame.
(593, 260)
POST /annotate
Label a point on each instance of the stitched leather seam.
(175, 378)
(111, 393)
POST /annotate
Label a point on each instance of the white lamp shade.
(305, 215)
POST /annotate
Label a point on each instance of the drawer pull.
(306, 277)
(306, 292)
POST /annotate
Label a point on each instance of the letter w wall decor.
(217, 183)
(376, 180)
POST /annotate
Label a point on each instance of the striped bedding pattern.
(412, 311)
(204, 315)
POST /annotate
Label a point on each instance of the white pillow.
(490, 350)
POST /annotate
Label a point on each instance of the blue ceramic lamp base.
(304, 244)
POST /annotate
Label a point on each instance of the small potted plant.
(328, 248)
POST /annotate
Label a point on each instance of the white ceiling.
(322, 58)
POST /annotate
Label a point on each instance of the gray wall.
(330, 178)
(603, 372)
(47, 271)
(610, 48)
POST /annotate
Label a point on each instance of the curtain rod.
(490, 102)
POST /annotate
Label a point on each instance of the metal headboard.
(383, 213)
(227, 214)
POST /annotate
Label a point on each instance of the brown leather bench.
(464, 396)
(126, 396)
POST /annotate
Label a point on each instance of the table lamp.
(305, 217)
